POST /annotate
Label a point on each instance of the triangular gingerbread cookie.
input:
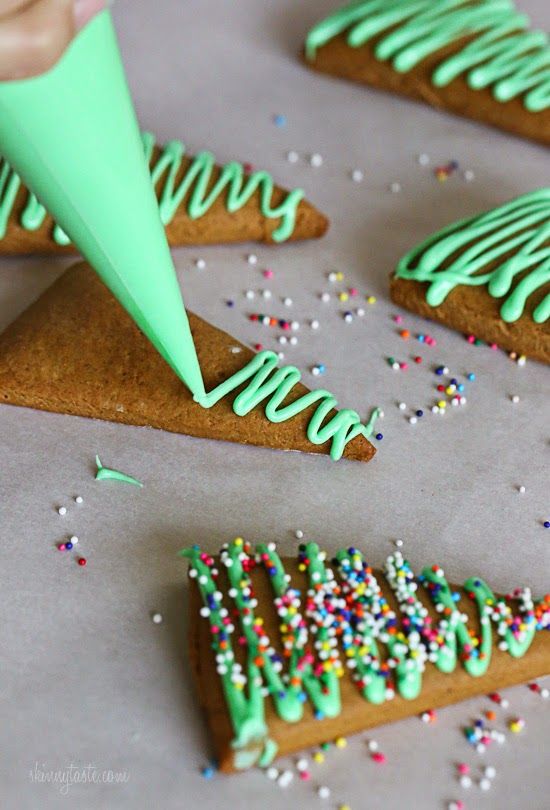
(475, 58)
(289, 653)
(200, 203)
(76, 351)
(487, 276)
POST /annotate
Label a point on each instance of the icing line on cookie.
(233, 185)
(507, 249)
(342, 617)
(503, 54)
(267, 381)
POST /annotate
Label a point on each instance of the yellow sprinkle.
(238, 541)
(301, 567)
(339, 276)
(344, 807)
(318, 756)
(442, 403)
(343, 296)
(371, 299)
(340, 742)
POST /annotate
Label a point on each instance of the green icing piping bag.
(73, 136)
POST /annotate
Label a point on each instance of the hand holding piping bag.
(71, 134)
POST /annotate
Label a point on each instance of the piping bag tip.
(72, 136)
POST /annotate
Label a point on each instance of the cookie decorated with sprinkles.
(289, 652)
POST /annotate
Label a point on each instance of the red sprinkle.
(379, 757)
(82, 561)
(417, 359)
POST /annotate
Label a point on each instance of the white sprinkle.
(316, 160)
(249, 294)
(293, 340)
(402, 406)
(381, 413)
(62, 510)
(360, 312)
(435, 409)
(468, 175)
(348, 317)
(357, 175)
(372, 745)
(235, 350)
(73, 540)
(266, 293)
(285, 779)
(79, 499)
(294, 325)
(395, 366)
(315, 370)
(157, 618)
(521, 489)
(302, 764)
(287, 302)
(485, 784)
(481, 748)
(395, 188)
(200, 264)
(332, 277)
(453, 806)
(323, 792)
(490, 772)
(423, 159)
(522, 360)
(298, 534)
(399, 543)
(292, 156)
(465, 781)
(281, 355)
(325, 297)
(314, 324)
(413, 420)
(544, 693)
(272, 773)
(252, 258)
(515, 399)
(504, 703)
(283, 340)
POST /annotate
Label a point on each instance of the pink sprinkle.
(493, 346)
(267, 273)
(463, 768)
(398, 318)
(471, 338)
(286, 326)
(62, 547)
(305, 775)
(403, 366)
(379, 757)
(353, 291)
(214, 629)
(459, 805)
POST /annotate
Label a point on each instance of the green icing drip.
(233, 185)
(106, 474)
(504, 53)
(272, 383)
(345, 610)
(507, 249)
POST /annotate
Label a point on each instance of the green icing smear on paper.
(107, 474)
(267, 381)
(506, 249)
(342, 620)
(503, 54)
(233, 185)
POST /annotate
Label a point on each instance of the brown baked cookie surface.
(334, 51)
(201, 203)
(487, 276)
(239, 743)
(76, 351)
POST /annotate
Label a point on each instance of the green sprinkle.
(106, 474)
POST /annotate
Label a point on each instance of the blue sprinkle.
(319, 715)
(439, 370)
(420, 413)
(279, 120)
(230, 303)
(208, 772)
(546, 525)
(421, 338)
(471, 376)
(68, 545)
(379, 436)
